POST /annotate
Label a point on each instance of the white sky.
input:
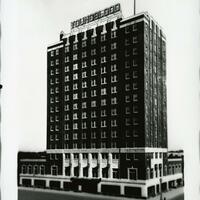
(29, 26)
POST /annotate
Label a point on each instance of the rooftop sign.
(95, 16)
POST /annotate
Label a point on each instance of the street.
(40, 194)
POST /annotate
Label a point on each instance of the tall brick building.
(106, 106)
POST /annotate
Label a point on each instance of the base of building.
(118, 187)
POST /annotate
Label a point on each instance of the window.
(127, 110)
(127, 87)
(75, 76)
(103, 91)
(103, 59)
(93, 62)
(75, 136)
(93, 103)
(93, 83)
(66, 68)
(75, 66)
(66, 59)
(127, 99)
(93, 52)
(115, 156)
(52, 72)
(127, 64)
(132, 173)
(113, 90)
(103, 37)
(75, 47)
(54, 170)
(115, 173)
(84, 94)
(113, 133)
(103, 144)
(84, 74)
(75, 145)
(93, 124)
(93, 135)
(113, 68)
(93, 93)
(113, 112)
(134, 51)
(84, 43)
(127, 30)
(103, 49)
(113, 123)
(93, 145)
(103, 123)
(134, 27)
(84, 54)
(57, 61)
(66, 88)
(113, 101)
(103, 70)
(103, 134)
(66, 49)
(135, 97)
(84, 64)
(113, 34)
(84, 136)
(134, 39)
(127, 42)
(103, 102)
(75, 86)
(113, 56)
(93, 114)
(52, 53)
(135, 74)
(84, 84)
(113, 46)
(103, 81)
(135, 109)
(84, 115)
(75, 57)
(93, 72)
(66, 137)
(75, 96)
(93, 41)
(84, 125)
(75, 126)
(103, 113)
(75, 116)
(66, 78)
(113, 79)
(84, 104)
(128, 121)
(127, 53)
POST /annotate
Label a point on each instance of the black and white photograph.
(100, 100)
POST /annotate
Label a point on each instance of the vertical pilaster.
(90, 165)
(80, 165)
(100, 165)
(71, 164)
(110, 170)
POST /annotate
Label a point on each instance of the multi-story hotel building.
(106, 107)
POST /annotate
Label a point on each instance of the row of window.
(93, 124)
(84, 145)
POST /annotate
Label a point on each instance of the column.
(100, 165)
(20, 181)
(122, 189)
(32, 182)
(110, 171)
(167, 185)
(89, 165)
(80, 165)
(99, 187)
(144, 192)
(63, 170)
(61, 184)
(71, 164)
(47, 183)
(104, 29)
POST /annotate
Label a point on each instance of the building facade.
(106, 106)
